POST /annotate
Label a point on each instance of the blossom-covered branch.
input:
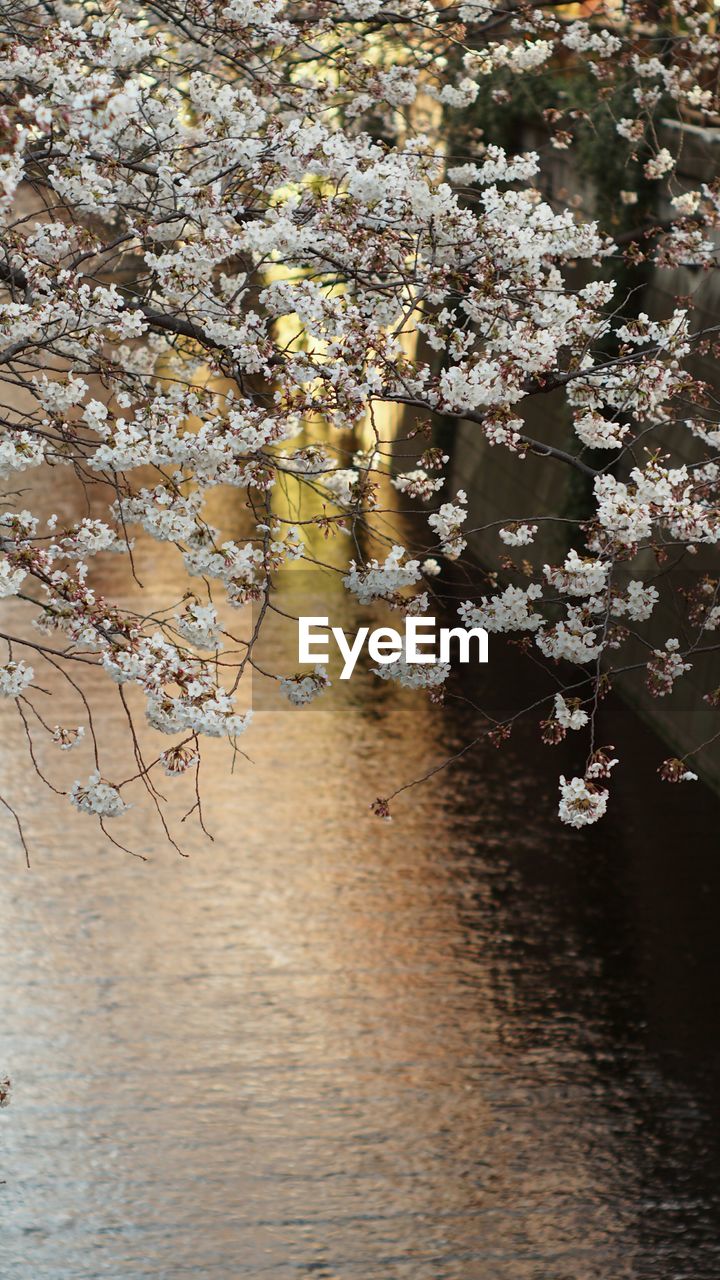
(226, 223)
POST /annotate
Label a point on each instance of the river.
(466, 1044)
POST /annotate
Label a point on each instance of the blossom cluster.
(233, 249)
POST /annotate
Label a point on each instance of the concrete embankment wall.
(502, 488)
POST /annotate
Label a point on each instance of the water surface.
(464, 1045)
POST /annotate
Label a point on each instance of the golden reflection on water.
(324, 1045)
(274, 1056)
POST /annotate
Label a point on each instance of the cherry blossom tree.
(225, 220)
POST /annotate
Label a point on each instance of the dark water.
(465, 1045)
